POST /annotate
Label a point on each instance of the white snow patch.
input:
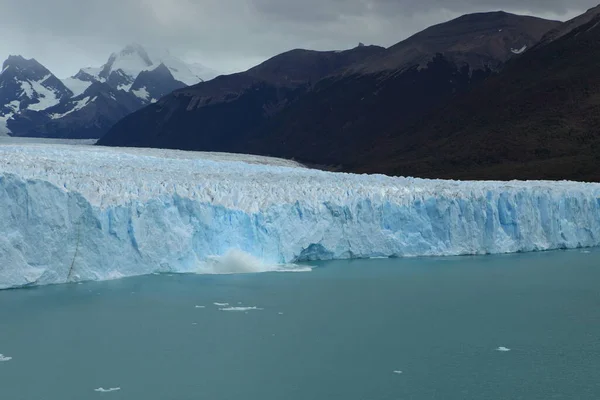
(125, 87)
(4, 131)
(77, 86)
(27, 89)
(221, 304)
(102, 390)
(15, 105)
(78, 105)
(142, 93)
(130, 64)
(46, 97)
(503, 349)
(519, 51)
(95, 72)
(4, 358)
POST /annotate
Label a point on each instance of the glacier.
(78, 213)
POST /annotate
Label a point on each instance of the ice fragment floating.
(102, 390)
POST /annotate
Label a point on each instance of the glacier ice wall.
(72, 213)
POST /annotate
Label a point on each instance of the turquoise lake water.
(338, 332)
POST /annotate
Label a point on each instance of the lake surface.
(338, 332)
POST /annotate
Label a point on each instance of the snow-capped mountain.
(27, 85)
(122, 69)
(34, 102)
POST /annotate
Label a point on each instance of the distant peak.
(137, 49)
(21, 62)
(133, 48)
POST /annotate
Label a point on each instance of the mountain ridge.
(333, 119)
(536, 120)
(32, 98)
(230, 104)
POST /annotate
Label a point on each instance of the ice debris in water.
(240, 309)
(118, 212)
(503, 349)
(102, 390)
(200, 307)
(221, 304)
(398, 372)
(4, 358)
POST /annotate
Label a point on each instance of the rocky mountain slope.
(33, 102)
(538, 119)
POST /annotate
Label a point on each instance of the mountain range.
(34, 102)
(484, 96)
(333, 117)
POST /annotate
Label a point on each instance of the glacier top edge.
(111, 176)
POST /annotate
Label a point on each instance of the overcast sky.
(229, 35)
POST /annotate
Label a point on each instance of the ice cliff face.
(71, 213)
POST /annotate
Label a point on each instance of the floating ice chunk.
(102, 390)
(221, 304)
(240, 308)
(293, 268)
(280, 313)
(398, 372)
(200, 307)
(4, 358)
(503, 349)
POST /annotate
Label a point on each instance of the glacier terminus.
(77, 213)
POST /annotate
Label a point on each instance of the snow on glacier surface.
(73, 213)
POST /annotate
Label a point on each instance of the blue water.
(338, 332)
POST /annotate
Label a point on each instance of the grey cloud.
(228, 34)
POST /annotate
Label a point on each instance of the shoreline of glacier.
(81, 213)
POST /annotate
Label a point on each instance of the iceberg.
(79, 213)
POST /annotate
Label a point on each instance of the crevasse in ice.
(72, 213)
